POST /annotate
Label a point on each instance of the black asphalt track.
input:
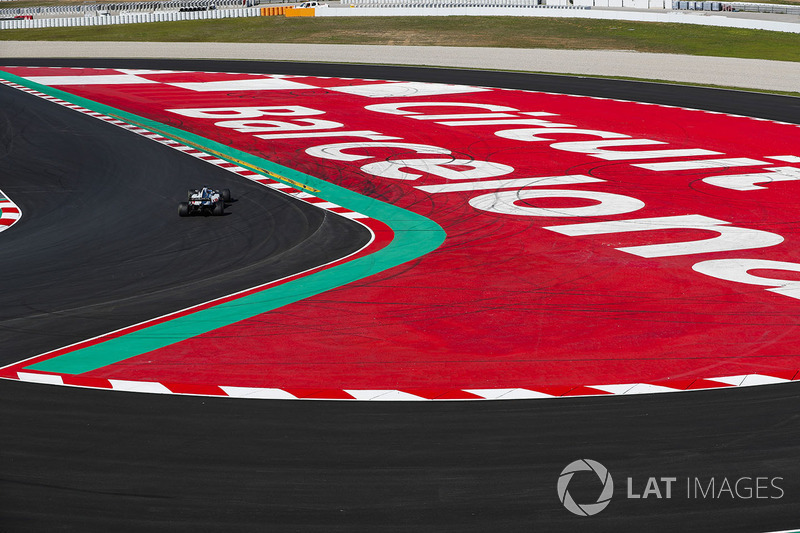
(101, 246)
(88, 460)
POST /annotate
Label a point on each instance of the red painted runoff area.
(588, 241)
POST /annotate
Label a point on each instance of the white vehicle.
(206, 201)
(312, 4)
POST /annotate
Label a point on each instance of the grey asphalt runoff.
(726, 72)
(89, 460)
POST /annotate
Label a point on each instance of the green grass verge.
(512, 32)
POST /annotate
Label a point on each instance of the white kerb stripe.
(40, 378)
(633, 388)
(139, 386)
(508, 394)
(750, 379)
(383, 395)
(261, 393)
(325, 205)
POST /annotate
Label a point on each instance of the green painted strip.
(415, 236)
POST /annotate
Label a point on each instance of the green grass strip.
(414, 237)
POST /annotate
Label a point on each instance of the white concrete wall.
(636, 4)
(132, 18)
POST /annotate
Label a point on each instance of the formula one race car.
(205, 201)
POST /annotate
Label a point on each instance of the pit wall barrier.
(129, 18)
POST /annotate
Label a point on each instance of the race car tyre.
(183, 209)
(226, 194)
(219, 209)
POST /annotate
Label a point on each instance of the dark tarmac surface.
(88, 460)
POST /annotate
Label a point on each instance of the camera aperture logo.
(585, 509)
(754, 488)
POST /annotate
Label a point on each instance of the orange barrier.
(273, 11)
(300, 12)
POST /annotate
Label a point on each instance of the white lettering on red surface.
(738, 270)
(514, 203)
(401, 107)
(598, 149)
(516, 196)
(729, 238)
(265, 126)
(247, 112)
(748, 182)
(533, 134)
(391, 169)
(336, 151)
